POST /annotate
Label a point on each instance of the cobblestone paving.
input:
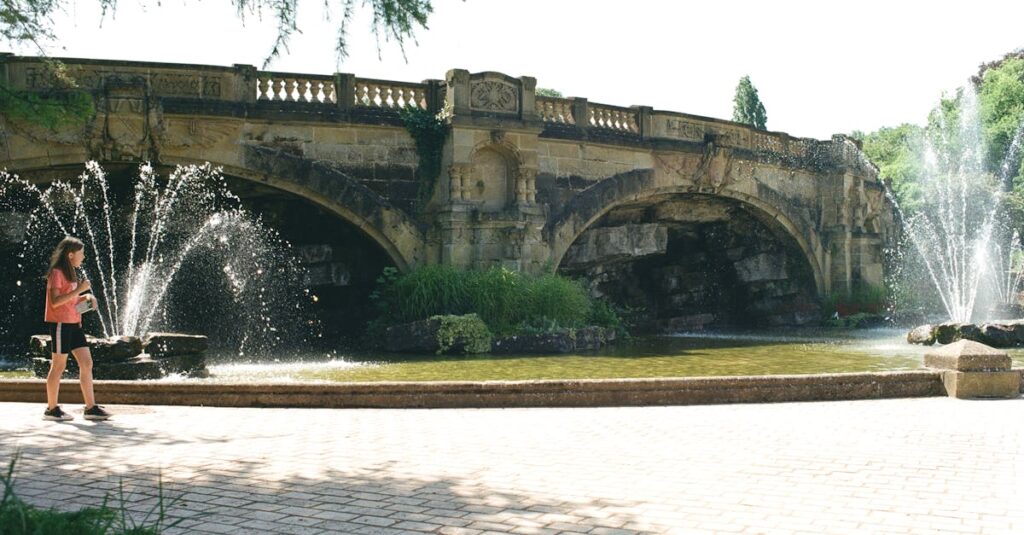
(895, 466)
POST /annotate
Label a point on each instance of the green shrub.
(864, 300)
(507, 301)
(468, 331)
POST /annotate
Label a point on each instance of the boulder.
(997, 335)
(440, 334)
(115, 348)
(161, 345)
(541, 343)
(949, 332)
(414, 337)
(923, 334)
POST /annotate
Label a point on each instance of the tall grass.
(507, 301)
(20, 518)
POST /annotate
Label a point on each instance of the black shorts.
(66, 336)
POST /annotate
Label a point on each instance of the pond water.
(782, 352)
(681, 355)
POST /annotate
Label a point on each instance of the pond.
(783, 352)
(683, 355)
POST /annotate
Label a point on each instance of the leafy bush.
(469, 331)
(868, 299)
(507, 301)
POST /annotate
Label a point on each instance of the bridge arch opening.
(685, 261)
(336, 258)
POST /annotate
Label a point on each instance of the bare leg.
(57, 363)
(84, 358)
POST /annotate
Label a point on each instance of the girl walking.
(63, 292)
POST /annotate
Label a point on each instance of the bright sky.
(821, 67)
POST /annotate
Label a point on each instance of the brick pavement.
(930, 465)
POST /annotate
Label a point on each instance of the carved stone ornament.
(715, 169)
(494, 96)
(193, 133)
(128, 114)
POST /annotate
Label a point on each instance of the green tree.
(897, 153)
(395, 20)
(747, 107)
(547, 92)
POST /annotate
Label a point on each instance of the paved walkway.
(894, 466)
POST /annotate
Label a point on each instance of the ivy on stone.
(429, 132)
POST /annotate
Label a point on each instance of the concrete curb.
(558, 393)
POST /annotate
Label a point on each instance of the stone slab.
(966, 355)
(974, 385)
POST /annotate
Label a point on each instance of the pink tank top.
(65, 313)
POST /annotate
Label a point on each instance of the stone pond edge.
(502, 394)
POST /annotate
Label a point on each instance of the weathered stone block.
(118, 348)
(967, 355)
(162, 345)
(607, 244)
(765, 266)
(969, 385)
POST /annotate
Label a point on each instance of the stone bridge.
(678, 207)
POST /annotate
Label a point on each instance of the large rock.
(161, 345)
(413, 337)
(115, 348)
(609, 244)
(923, 334)
(555, 342)
(997, 335)
(949, 332)
(468, 334)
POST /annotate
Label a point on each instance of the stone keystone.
(974, 370)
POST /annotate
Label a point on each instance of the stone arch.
(588, 206)
(389, 227)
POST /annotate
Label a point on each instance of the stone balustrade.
(612, 118)
(555, 110)
(560, 116)
(389, 94)
(285, 87)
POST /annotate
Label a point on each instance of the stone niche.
(490, 184)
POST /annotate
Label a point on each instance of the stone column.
(457, 96)
(455, 183)
(528, 110)
(581, 113)
(245, 83)
(345, 91)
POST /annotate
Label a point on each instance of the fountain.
(961, 236)
(174, 252)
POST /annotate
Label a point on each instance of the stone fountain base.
(129, 357)
(1008, 333)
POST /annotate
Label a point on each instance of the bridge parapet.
(345, 97)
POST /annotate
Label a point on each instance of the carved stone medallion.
(494, 96)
